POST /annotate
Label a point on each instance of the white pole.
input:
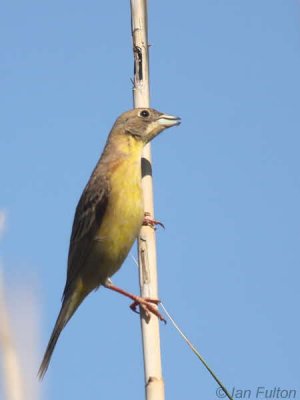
(154, 385)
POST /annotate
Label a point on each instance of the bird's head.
(143, 124)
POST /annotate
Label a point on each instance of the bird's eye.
(144, 114)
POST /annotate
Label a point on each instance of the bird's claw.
(148, 221)
(146, 304)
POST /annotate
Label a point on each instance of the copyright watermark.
(260, 392)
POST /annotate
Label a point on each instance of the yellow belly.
(121, 223)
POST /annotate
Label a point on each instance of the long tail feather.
(69, 306)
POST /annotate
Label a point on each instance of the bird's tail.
(71, 301)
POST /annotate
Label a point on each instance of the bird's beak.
(168, 120)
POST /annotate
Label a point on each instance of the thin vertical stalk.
(154, 385)
(12, 376)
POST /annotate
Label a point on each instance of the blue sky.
(227, 188)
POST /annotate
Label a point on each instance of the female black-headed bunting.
(109, 215)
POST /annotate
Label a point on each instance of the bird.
(108, 216)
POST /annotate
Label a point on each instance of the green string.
(193, 348)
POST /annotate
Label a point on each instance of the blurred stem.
(12, 378)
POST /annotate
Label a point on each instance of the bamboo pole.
(154, 385)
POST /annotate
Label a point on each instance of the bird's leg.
(148, 221)
(145, 303)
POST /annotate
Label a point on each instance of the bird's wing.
(88, 215)
(87, 221)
